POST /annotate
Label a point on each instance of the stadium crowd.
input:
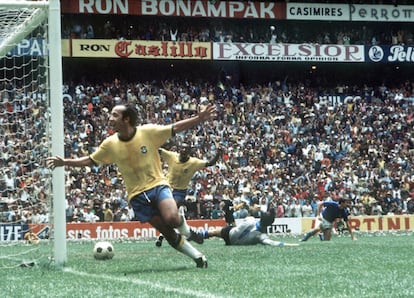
(287, 145)
(231, 30)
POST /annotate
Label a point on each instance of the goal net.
(26, 204)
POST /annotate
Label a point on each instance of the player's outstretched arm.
(215, 158)
(277, 243)
(351, 231)
(202, 116)
(57, 161)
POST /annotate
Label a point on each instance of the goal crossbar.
(9, 4)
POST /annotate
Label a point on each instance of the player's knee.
(172, 220)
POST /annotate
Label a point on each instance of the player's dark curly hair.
(131, 113)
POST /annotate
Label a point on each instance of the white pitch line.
(150, 284)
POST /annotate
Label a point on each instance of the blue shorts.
(179, 196)
(145, 204)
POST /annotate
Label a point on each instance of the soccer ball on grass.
(103, 250)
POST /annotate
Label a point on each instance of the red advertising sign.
(123, 230)
(178, 8)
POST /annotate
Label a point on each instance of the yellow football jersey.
(138, 159)
(180, 173)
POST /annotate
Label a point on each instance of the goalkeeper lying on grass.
(249, 231)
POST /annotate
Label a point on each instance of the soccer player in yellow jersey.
(181, 168)
(134, 149)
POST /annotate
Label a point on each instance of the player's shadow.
(157, 270)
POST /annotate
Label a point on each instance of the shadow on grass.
(157, 270)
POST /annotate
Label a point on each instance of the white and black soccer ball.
(103, 250)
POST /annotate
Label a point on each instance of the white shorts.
(325, 225)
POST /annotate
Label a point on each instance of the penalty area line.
(141, 282)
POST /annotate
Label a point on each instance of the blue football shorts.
(179, 196)
(145, 204)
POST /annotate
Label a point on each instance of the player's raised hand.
(207, 112)
(54, 161)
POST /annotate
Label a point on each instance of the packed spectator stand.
(287, 144)
(284, 143)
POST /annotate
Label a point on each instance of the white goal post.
(18, 19)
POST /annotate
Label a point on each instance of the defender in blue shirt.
(326, 214)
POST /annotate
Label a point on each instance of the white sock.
(186, 248)
(184, 228)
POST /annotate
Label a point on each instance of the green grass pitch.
(378, 265)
